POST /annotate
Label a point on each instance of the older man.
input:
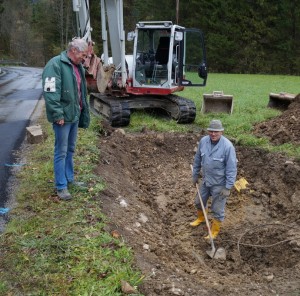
(67, 109)
(216, 158)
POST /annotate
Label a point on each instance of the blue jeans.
(64, 147)
(218, 201)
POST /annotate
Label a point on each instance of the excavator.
(166, 59)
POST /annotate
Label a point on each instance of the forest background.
(248, 36)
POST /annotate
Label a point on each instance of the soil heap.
(149, 202)
(284, 128)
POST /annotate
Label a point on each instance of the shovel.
(214, 253)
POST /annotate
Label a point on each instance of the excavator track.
(186, 109)
(117, 110)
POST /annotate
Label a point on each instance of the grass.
(63, 248)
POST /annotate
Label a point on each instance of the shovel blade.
(211, 253)
(219, 254)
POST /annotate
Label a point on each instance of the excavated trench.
(149, 202)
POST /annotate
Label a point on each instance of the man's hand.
(60, 122)
(225, 192)
(195, 181)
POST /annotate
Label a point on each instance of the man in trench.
(216, 158)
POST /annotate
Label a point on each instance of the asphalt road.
(20, 91)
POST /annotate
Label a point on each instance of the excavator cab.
(166, 58)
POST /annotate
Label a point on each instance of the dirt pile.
(149, 201)
(284, 128)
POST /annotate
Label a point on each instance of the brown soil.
(149, 201)
(284, 128)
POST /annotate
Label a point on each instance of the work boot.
(200, 218)
(215, 229)
(64, 194)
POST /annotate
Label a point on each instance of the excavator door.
(192, 58)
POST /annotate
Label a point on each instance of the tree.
(252, 36)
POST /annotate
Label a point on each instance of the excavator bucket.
(280, 101)
(217, 102)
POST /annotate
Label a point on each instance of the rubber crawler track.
(118, 110)
(187, 109)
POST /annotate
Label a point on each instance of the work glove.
(225, 192)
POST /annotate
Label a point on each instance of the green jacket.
(60, 92)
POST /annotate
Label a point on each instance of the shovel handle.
(205, 216)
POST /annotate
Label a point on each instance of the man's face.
(77, 56)
(215, 136)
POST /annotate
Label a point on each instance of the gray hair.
(78, 43)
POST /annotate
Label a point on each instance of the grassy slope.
(63, 248)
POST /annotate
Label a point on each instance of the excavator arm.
(111, 15)
(82, 11)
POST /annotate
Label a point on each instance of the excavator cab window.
(152, 55)
(162, 52)
(160, 71)
(160, 65)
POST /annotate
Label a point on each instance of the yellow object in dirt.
(240, 184)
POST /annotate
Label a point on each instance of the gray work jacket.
(218, 163)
